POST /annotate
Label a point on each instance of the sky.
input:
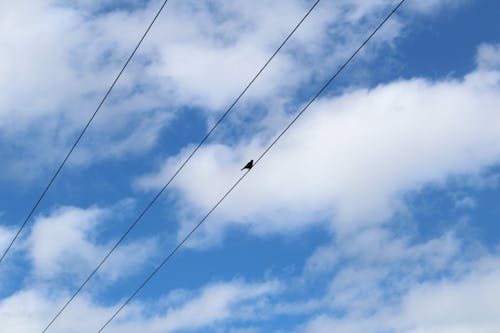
(376, 212)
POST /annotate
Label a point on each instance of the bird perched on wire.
(248, 166)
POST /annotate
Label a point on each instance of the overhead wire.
(193, 152)
(80, 136)
(297, 116)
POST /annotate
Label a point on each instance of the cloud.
(65, 244)
(488, 56)
(198, 55)
(352, 157)
(466, 305)
(465, 202)
(217, 304)
(47, 98)
(368, 271)
(462, 303)
(433, 7)
(5, 237)
(346, 165)
(380, 247)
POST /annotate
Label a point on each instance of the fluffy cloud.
(345, 164)
(52, 75)
(65, 243)
(64, 246)
(351, 157)
(197, 55)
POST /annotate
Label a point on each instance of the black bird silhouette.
(248, 166)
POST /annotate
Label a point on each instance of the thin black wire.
(151, 203)
(108, 92)
(185, 239)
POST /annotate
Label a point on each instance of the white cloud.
(58, 240)
(65, 243)
(351, 157)
(63, 246)
(378, 246)
(55, 68)
(215, 304)
(371, 270)
(488, 56)
(433, 7)
(5, 237)
(464, 303)
(367, 147)
(467, 305)
(198, 54)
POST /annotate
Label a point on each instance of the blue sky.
(377, 212)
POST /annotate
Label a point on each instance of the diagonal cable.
(202, 142)
(299, 114)
(80, 136)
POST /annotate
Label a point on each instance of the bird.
(248, 166)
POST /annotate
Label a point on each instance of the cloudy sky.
(377, 212)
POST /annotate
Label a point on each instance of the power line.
(205, 138)
(185, 239)
(82, 133)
